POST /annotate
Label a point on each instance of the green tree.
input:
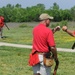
(55, 6)
(55, 11)
(41, 6)
(73, 12)
(34, 12)
(15, 13)
(18, 5)
(8, 6)
(65, 14)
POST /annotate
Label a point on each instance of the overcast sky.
(63, 4)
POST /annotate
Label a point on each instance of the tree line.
(15, 13)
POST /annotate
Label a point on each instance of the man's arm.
(54, 51)
(70, 32)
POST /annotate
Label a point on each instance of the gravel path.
(29, 46)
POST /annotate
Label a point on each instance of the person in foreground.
(70, 32)
(43, 43)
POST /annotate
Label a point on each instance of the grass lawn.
(14, 61)
(23, 35)
(18, 35)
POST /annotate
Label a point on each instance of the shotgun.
(73, 46)
(6, 26)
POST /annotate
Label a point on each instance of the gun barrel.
(7, 26)
(73, 46)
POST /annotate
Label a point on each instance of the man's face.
(48, 22)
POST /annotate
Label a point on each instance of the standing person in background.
(43, 42)
(70, 32)
(1, 26)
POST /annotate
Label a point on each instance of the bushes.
(29, 14)
(62, 23)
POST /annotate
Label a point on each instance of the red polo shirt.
(1, 21)
(42, 38)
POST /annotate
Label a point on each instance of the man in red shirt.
(43, 39)
(1, 25)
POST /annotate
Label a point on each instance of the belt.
(41, 53)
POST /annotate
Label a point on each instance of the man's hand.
(57, 28)
(64, 28)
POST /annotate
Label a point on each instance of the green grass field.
(14, 61)
(23, 35)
